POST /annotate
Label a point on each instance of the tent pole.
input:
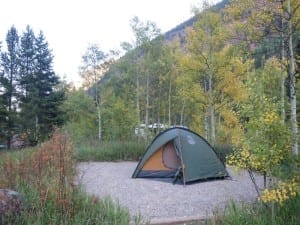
(181, 159)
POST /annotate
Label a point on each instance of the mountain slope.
(179, 30)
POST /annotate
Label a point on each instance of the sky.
(71, 25)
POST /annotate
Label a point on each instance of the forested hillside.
(200, 74)
(179, 30)
(229, 74)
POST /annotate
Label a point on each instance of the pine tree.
(50, 98)
(41, 99)
(27, 71)
(9, 77)
(27, 59)
(3, 112)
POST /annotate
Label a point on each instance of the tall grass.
(45, 176)
(259, 214)
(93, 150)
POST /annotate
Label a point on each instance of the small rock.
(11, 202)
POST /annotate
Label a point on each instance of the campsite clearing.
(158, 201)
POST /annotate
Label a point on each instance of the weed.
(258, 214)
(45, 176)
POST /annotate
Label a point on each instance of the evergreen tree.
(3, 113)
(41, 99)
(27, 71)
(9, 77)
(50, 97)
(27, 59)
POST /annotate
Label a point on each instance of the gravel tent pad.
(160, 202)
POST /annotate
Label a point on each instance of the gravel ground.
(161, 202)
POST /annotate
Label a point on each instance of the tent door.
(170, 157)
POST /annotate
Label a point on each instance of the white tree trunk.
(98, 105)
(169, 99)
(211, 111)
(206, 133)
(282, 77)
(182, 113)
(138, 100)
(292, 85)
(99, 124)
(147, 106)
(99, 119)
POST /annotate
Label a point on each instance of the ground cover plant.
(255, 214)
(258, 214)
(45, 176)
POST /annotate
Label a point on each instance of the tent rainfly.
(181, 154)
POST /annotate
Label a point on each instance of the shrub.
(46, 178)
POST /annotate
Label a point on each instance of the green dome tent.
(181, 154)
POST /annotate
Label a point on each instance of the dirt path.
(158, 201)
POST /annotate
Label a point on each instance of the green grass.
(93, 150)
(109, 151)
(45, 176)
(258, 214)
(84, 210)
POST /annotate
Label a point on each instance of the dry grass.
(45, 176)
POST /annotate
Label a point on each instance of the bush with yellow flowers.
(281, 193)
(265, 145)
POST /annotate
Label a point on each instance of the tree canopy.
(30, 91)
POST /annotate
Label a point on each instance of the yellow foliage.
(267, 147)
(230, 129)
(271, 117)
(283, 192)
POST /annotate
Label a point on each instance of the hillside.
(178, 31)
